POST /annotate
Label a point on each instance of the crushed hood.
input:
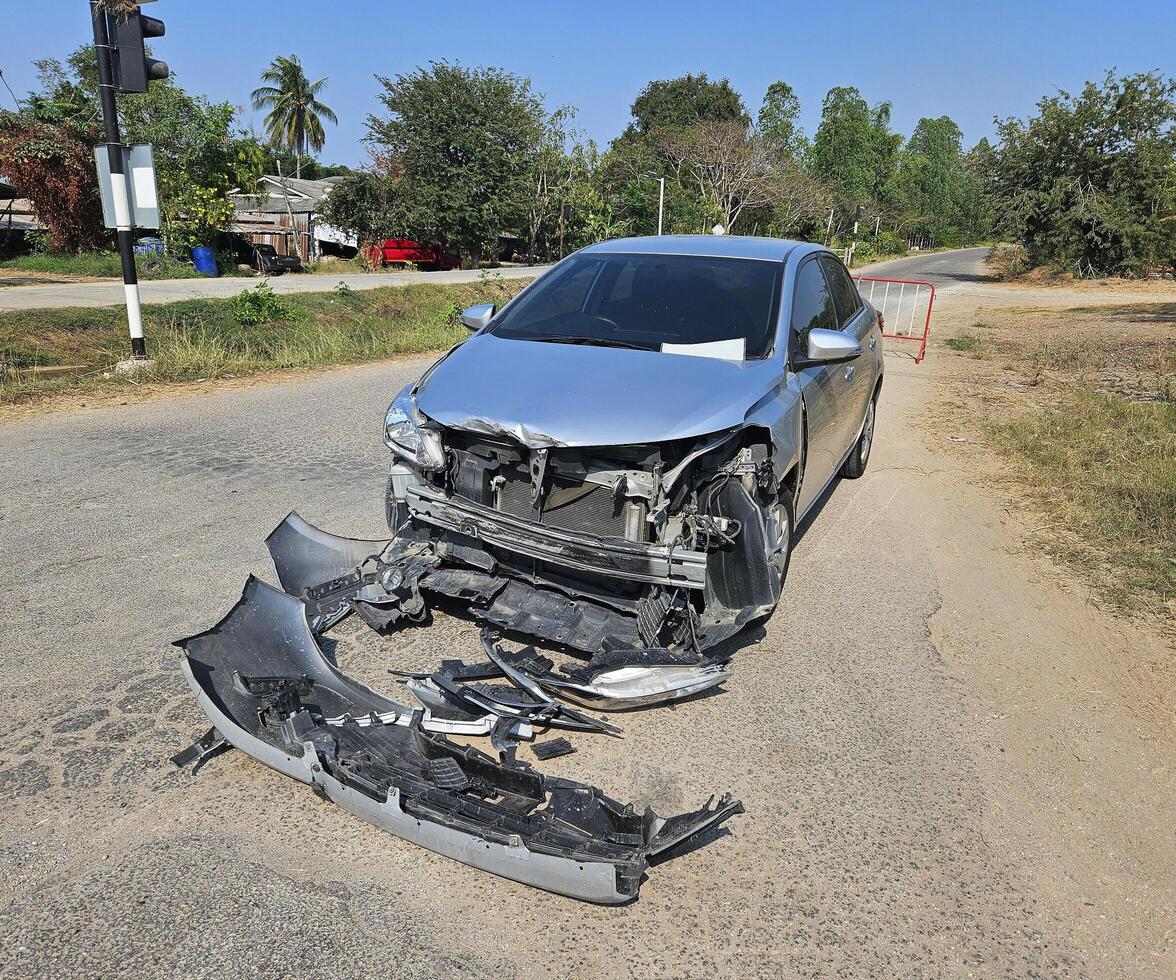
(570, 395)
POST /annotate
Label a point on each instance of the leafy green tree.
(367, 204)
(779, 121)
(274, 157)
(295, 118)
(1089, 183)
(461, 144)
(854, 150)
(978, 194)
(562, 189)
(931, 182)
(628, 180)
(679, 103)
(199, 157)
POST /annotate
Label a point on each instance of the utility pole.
(857, 220)
(124, 54)
(290, 213)
(661, 196)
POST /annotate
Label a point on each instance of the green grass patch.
(206, 339)
(102, 265)
(1105, 467)
(968, 344)
(106, 265)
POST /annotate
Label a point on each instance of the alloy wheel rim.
(868, 433)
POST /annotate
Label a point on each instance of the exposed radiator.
(587, 508)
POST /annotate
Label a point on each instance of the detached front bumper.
(264, 683)
(615, 557)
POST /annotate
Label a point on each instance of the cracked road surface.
(903, 732)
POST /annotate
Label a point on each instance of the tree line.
(202, 151)
(471, 157)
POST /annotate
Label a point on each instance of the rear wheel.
(855, 466)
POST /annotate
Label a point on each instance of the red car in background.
(398, 251)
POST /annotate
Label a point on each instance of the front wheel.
(780, 527)
(855, 466)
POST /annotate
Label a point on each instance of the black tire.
(780, 559)
(395, 511)
(855, 466)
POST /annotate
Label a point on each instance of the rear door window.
(812, 305)
(845, 293)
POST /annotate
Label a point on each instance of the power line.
(9, 87)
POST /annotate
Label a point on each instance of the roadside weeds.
(1080, 405)
(48, 354)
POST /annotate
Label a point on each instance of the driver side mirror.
(476, 317)
(828, 347)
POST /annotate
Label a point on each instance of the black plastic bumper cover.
(264, 683)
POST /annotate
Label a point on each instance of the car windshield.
(647, 301)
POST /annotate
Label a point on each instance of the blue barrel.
(204, 258)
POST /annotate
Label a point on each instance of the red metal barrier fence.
(905, 305)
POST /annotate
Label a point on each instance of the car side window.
(845, 293)
(812, 305)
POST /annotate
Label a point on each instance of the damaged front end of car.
(640, 560)
(675, 544)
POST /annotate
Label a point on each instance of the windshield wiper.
(590, 341)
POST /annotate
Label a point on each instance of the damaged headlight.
(405, 435)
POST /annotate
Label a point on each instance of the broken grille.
(586, 508)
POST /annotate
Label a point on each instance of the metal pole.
(661, 202)
(118, 182)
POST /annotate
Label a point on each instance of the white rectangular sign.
(139, 167)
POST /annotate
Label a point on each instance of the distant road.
(944, 270)
(60, 295)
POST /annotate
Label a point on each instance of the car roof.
(715, 246)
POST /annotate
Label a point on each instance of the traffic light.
(133, 70)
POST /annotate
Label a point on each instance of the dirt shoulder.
(1070, 658)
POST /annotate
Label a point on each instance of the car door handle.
(873, 343)
(849, 373)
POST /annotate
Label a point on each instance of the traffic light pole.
(118, 177)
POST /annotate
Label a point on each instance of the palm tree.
(295, 118)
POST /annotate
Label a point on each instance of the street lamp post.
(661, 197)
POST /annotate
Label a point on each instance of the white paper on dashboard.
(734, 349)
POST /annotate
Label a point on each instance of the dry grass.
(1082, 405)
(44, 353)
(121, 8)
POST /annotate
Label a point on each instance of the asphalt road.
(60, 295)
(879, 839)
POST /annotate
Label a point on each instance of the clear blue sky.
(971, 61)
